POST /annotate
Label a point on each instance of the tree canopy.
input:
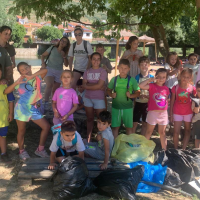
(18, 34)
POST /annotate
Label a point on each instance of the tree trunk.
(198, 14)
(161, 44)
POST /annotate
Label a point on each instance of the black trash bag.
(172, 179)
(119, 184)
(72, 179)
(177, 161)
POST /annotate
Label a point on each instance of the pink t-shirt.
(65, 98)
(158, 97)
(93, 76)
(183, 103)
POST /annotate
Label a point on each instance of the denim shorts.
(54, 73)
(95, 103)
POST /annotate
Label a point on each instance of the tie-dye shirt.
(30, 92)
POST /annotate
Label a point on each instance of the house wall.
(85, 37)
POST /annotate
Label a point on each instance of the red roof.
(32, 25)
(19, 17)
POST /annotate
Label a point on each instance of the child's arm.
(171, 107)
(74, 108)
(55, 111)
(81, 154)
(135, 95)
(107, 150)
(93, 86)
(11, 111)
(41, 72)
(195, 109)
(109, 92)
(80, 105)
(145, 84)
(44, 55)
(52, 164)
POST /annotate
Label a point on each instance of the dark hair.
(78, 27)
(66, 48)
(99, 46)
(144, 59)
(161, 70)
(105, 116)
(79, 82)
(168, 59)
(198, 84)
(68, 126)
(124, 61)
(130, 40)
(4, 28)
(95, 53)
(0, 67)
(67, 71)
(193, 54)
(22, 63)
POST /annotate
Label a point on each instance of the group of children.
(143, 97)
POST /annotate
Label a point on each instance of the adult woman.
(57, 55)
(5, 34)
(81, 50)
(133, 54)
(94, 83)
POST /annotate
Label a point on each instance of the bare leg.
(186, 134)
(163, 139)
(90, 121)
(44, 125)
(3, 144)
(129, 131)
(144, 128)
(21, 132)
(55, 87)
(177, 128)
(49, 80)
(149, 131)
(134, 127)
(197, 143)
(115, 131)
(76, 77)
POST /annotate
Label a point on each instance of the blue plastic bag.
(152, 173)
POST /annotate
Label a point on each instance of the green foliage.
(18, 34)
(30, 41)
(48, 33)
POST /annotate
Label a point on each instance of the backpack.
(84, 44)
(57, 129)
(129, 78)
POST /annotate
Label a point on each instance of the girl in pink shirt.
(180, 109)
(157, 105)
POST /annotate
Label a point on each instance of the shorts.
(122, 115)
(54, 73)
(4, 131)
(74, 70)
(160, 118)
(140, 110)
(196, 128)
(59, 153)
(180, 118)
(59, 121)
(25, 113)
(95, 103)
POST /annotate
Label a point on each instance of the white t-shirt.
(68, 146)
(81, 56)
(171, 80)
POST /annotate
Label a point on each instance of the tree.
(18, 34)
(30, 41)
(48, 33)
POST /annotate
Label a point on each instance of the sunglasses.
(80, 34)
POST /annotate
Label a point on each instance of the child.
(196, 117)
(94, 84)
(81, 95)
(173, 67)
(180, 109)
(141, 102)
(71, 144)
(65, 99)
(157, 105)
(6, 107)
(133, 54)
(26, 108)
(192, 58)
(122, 104)
(103, 148)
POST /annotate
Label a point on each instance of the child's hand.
(10, 117)
(128, 94)
(28, 77)
(114, 95)
(52, 166)
(152, 79)
(3, 82)
(103, 166)
(64, 118)
(99, 137)
(56, 114)
(20, 80)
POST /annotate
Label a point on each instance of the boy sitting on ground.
(103, 148)
(67, 142)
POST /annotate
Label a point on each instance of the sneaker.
(24, 155)
(5, 158)
(42, 154)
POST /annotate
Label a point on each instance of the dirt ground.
(41, 189)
